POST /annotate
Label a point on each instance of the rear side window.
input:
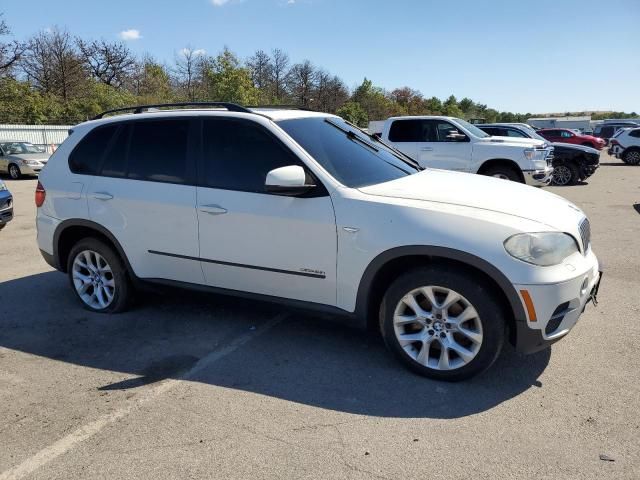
(407, 131)
(238, 154)
(87, 156)
(635, 133)
(515, 133)
(158, 151)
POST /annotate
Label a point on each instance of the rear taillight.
(41, 194)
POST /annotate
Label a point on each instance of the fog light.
(584, 287)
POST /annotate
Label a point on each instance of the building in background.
(581, 123)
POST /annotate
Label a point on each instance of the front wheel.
(565, 174)
(631, 157)
(14, 172)
(98, 277)
(442, 323)
(503, 172)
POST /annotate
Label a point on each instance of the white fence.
(47, 136)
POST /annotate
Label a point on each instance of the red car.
(564, 135)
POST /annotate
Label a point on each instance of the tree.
(354, 113)
(53, 65)
(279, 74)
(301, 83)
(227, 81)
(330, 92)
(373, 100)
(151, 82)
(261, 69)
(10, 52)
(188, 72)
(109, 63)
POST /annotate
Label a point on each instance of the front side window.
(86, 157)
(565, 134)
(350, 156)
(238, 154)
(512, 132)
(441, 131)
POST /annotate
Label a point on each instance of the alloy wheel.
(93, 279)
(561, 175)
(633, 157)
(14, 172)
(438, 328)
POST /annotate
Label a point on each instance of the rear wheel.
(442, 323)
(631, 157)
(98, 277)
(14, 171)
(503, 172)
(565, 174)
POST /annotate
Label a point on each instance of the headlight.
(2, 186)
(543, 249)
(529, 153)
(31, 162)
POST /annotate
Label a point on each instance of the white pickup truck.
(452, 144)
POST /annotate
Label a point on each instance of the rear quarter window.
(86, 158)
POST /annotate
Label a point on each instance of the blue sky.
(515, 55)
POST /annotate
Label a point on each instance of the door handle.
(426, 149)
(102, 196)
(213, 209)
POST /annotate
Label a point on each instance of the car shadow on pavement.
(304, 359)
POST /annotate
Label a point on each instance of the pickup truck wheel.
(631, 156)
(442, 323)
(98, 277)
(565, 174)
(502, 172)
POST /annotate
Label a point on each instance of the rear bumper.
(557, 307)
(538, 178)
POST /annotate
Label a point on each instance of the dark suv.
(571, 163)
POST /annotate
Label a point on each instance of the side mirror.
(291, 181)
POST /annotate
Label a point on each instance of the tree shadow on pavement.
(304, 359)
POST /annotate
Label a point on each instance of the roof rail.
(232, 107)
(282, 107)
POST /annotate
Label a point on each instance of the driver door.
(252, 240)
(446, 147)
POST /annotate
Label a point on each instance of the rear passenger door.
(144, 193)
(255, 241)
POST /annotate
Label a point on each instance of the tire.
(504, 172)
(565, 174)
(484, 325)
(631, 156)
(14, 172)
(104, 291)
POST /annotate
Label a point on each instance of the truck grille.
(585, 233)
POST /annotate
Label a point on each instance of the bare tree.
(261, 69)
(279, 74)
(187, 70)
(53, 65)
(10, 52)
(301, 82)
(330, 93)
(109, 63)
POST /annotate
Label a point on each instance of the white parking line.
(85, 432)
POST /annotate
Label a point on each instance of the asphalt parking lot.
(195, 386)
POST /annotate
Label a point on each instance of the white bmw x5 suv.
(304, 208)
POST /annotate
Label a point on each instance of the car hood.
(43, 157)
(571, 146)
(525, 142)
(487, 193)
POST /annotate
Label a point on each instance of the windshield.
(472, 129)
(12, 148)
(349, 155)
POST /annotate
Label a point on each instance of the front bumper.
(31, 169)
(6, 208)
(538, 178)
(557, 307)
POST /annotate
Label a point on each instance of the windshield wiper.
(404, 157)
(351, 135)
